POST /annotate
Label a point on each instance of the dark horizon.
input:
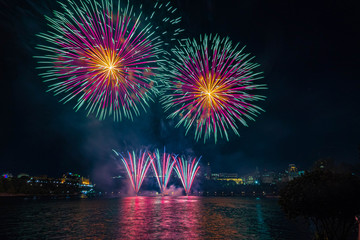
(307, 54)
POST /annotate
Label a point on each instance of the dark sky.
(309, 55)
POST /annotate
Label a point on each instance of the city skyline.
(202, 163)
(206, 171)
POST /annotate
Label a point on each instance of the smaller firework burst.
(163, 165)
(186, 171)
(211, 87)
(136, 167)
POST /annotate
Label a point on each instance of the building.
(85, 181)
(249, 180)
(292, 168)
(268, 178)
(75, 179)
(292, 172)
(208, 171)
(236, 180)
(227, 177)
(214, 176)
(230, 177)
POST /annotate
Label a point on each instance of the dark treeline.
(327, 197)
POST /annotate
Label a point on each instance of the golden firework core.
(107, 63)
(211, 91)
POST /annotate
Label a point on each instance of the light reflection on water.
(147, 218)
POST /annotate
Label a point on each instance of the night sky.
(309, 56)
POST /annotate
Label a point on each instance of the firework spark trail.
(186, 171)
(210, 86)
(136, 167)
(107, 57)
(163, 165)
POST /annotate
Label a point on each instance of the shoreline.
(81, 196)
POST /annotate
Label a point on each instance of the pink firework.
(186, 171)
(163, 165)
(136, 167)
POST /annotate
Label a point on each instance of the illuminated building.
(249, 179)
(85, 181)
(292, 172)
(75, 179)
(292, 168)
(214, 176)
(70, 178)
(227, 177)
(237, 180)
(252, 178)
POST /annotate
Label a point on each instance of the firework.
(210, 87)
(136, 167)
(186, 171)
(163, 165)
(106, 56)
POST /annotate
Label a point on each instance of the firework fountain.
(211, 86)
(186, 171)
(136, 167)
(163, 165)
(106, 56)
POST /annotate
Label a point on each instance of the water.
(147, 218)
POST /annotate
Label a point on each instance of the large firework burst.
(210, 86)
(106, 56)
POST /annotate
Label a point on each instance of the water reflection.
(262, 226)
(159, 218)
(148, 218)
